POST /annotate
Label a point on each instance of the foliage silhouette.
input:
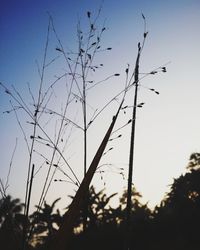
(174, 224)
(99, 210)
(178, 214)
(11, 223)
(109, 223)
(45, 222)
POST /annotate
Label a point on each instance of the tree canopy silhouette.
(173, 224)
(178, 215)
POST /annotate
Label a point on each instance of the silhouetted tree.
(102, 224)
(174, 224)
(105, 226)
(45, 222)
(99, 210)
(178, 215)
(140, 220)
(11, 223)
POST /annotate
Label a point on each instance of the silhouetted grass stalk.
(63, 236)
(78, 69)
(30, 178)
(132, 142)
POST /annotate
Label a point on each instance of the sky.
(167, 127)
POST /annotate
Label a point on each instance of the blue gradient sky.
(168, 125)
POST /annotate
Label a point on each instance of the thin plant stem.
(132, 144)
(11, 162)
(28, 182)
(131, 156)
(28, 206)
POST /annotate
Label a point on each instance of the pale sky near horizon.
(167, 130)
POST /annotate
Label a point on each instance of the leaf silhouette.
(7, 92)
(145, 34)
(89, 56)
(58, 49)
(143, 16)
(88, 14)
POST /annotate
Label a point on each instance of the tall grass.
(78, 64)
(42, 114)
